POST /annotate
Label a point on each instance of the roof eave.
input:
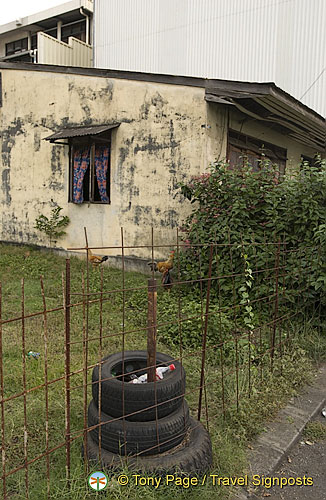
(303, 124)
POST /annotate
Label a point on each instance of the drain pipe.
(59, 26)
(33, 54)
(81, 10)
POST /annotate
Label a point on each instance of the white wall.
(282, 41)
(53, 51)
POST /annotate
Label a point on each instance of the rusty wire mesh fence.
(229, 326)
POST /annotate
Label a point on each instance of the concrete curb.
(281, 434)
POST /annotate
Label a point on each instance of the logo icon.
(97, 481)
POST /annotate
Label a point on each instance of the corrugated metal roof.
(80, 131)
(267, 103)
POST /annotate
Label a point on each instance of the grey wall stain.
(152, 146)
(142, 214)
(37, 139)
(18, 229)
(166, 149)
(56, 185)
(57, 171)
(8, 141)
(64, 122)
(157, 103)
(86, 94)
(56, 166)
(126, 175)
(169, 219)
(6, 186)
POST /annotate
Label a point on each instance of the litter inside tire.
(133, 399)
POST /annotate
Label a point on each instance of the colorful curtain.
(81, 164)
(101, 161)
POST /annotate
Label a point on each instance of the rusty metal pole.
(3, 448)
(151, 329)
(24, 387)
(67, 368)
(277, 270)
(202, 375)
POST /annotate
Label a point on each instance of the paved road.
(305, 460)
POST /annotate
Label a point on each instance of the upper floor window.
(244, 149)
(16, 46)
(20, 45)
(76, 29)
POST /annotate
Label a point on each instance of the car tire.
(150, 438)
(192, 457)
(133, 399)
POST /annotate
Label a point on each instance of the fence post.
(67, 367)
(277, 270)
(3, 451)
(151, 329)
(202, 375)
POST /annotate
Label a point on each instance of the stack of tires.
(157, 433)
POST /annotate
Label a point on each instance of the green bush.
(192, 316)
(240, 206)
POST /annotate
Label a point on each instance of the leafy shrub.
(240, 206)
(192, 316)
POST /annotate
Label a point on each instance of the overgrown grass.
(231, 425)
(315, 431)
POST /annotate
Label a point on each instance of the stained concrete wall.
(161, 141)
(167, 133)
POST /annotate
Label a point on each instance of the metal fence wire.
(227, 320)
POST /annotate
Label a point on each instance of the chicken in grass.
(164, 267)
(96, 260)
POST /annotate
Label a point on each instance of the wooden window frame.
(92, 142)
(248, 145)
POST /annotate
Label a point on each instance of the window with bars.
(243, 149)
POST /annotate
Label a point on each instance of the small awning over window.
(68, 133)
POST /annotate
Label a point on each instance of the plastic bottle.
(159, 374)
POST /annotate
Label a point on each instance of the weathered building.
(118, 143)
